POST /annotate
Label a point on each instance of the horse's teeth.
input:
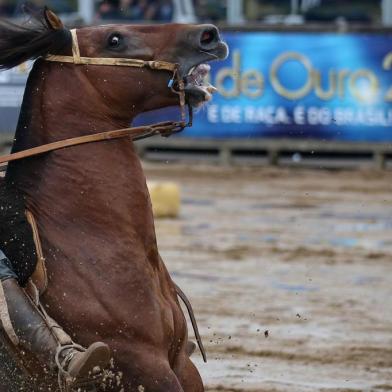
(212, 89)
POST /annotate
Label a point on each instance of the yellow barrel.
(165, 198)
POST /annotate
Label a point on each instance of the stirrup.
(61, 365)
(66, 381)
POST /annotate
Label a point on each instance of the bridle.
(175, 81)
(167, 128)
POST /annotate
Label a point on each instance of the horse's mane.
(19, 43)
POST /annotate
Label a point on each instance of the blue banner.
(324, 86)
(301, 85)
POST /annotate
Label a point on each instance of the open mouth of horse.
(198, 90)
(201, 45)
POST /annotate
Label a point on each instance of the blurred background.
(230, 11)
(274, 211)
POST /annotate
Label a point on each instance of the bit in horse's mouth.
(197, 88)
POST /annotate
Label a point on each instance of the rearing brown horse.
(107, 280)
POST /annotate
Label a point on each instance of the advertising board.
(301, 85)
(325, 86)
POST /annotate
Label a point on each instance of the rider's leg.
(16, 235)
(36, 337)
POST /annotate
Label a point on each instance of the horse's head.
(189, 46)
(118, 91)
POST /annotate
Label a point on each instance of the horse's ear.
(52, 20)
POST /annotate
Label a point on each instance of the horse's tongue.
(197, 77)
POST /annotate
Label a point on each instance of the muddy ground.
(289, 272)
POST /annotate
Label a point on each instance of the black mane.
(30, 41)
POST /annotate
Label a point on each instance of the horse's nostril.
(209, 36)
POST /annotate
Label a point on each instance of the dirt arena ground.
(290, 275)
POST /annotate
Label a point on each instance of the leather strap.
(191, 313)
(135, 133)
(40, 275)
(75, 47)
(76, 58)
(155, 65)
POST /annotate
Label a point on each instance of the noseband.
(167, 128)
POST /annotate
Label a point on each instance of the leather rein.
(167, 128)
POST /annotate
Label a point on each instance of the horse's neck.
(96, 195)
(59, 105)
(85, 194)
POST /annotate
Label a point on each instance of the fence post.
(294, 7)
(379, 160)
(86, 9)
(184, 11)
(235, 12)
(386, 11)
(273, 157)
(225, 156)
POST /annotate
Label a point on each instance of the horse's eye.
(115, 41)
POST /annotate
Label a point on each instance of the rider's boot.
(36, 337)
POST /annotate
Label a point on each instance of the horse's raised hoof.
(82, 365)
